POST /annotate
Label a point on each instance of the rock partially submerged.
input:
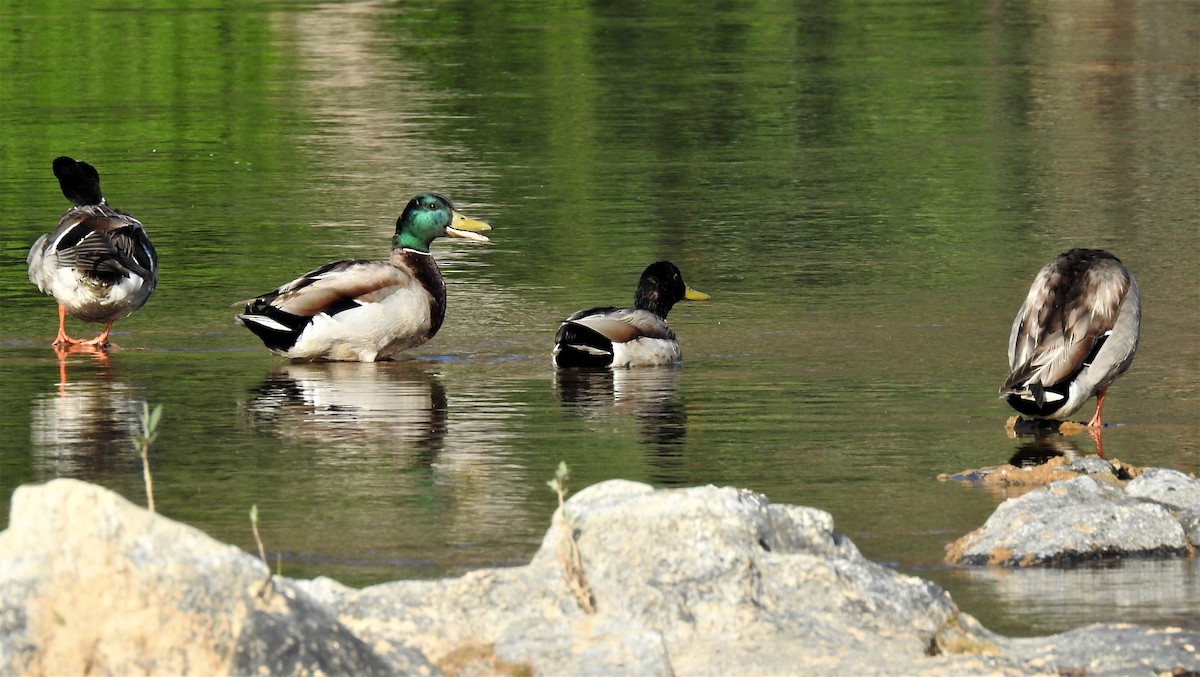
(628, 580)
(1156, 514)
(1015, 479)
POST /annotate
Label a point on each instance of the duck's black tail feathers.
(277, 329)
(579, 346)
(1041, 401)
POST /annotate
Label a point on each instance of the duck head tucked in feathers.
(1076, 332)
(627, 337)
(358, 310)
(98, 263)
(79, 181)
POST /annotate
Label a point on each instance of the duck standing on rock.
(627, 337)
(98, 263)
(1075, 334)
(365, 311)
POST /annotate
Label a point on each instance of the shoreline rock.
(628, 580)
(1084, 520)
(90, 582)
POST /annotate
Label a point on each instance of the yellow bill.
(467, 228)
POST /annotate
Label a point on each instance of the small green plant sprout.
(568, 549)
(254, 528)
(141, 443)
(559, 484)
(262, 555)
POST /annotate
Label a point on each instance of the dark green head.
(428, 217)
(661, 287)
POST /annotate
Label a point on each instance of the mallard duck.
(627, 337)
(98, 263)
(365, 311)
(1075, 334)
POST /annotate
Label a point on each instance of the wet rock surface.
(1015, 478)
(628, 580)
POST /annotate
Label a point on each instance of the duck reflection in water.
(86, 425)
(1048, 436)
(647, 394)
(1042, 448)
(386, 407)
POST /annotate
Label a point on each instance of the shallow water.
(865, 191)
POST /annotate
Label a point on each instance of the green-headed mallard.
(627, 337)
(98, 263)
(364, 311)
(1075, 334)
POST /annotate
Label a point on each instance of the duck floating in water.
(1075, 334)
(627, 337)
(98, 263)
(364, 311)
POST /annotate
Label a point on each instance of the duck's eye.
(431, 207)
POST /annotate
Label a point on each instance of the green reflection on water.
(865, 189)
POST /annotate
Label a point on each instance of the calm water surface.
(866, 193)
